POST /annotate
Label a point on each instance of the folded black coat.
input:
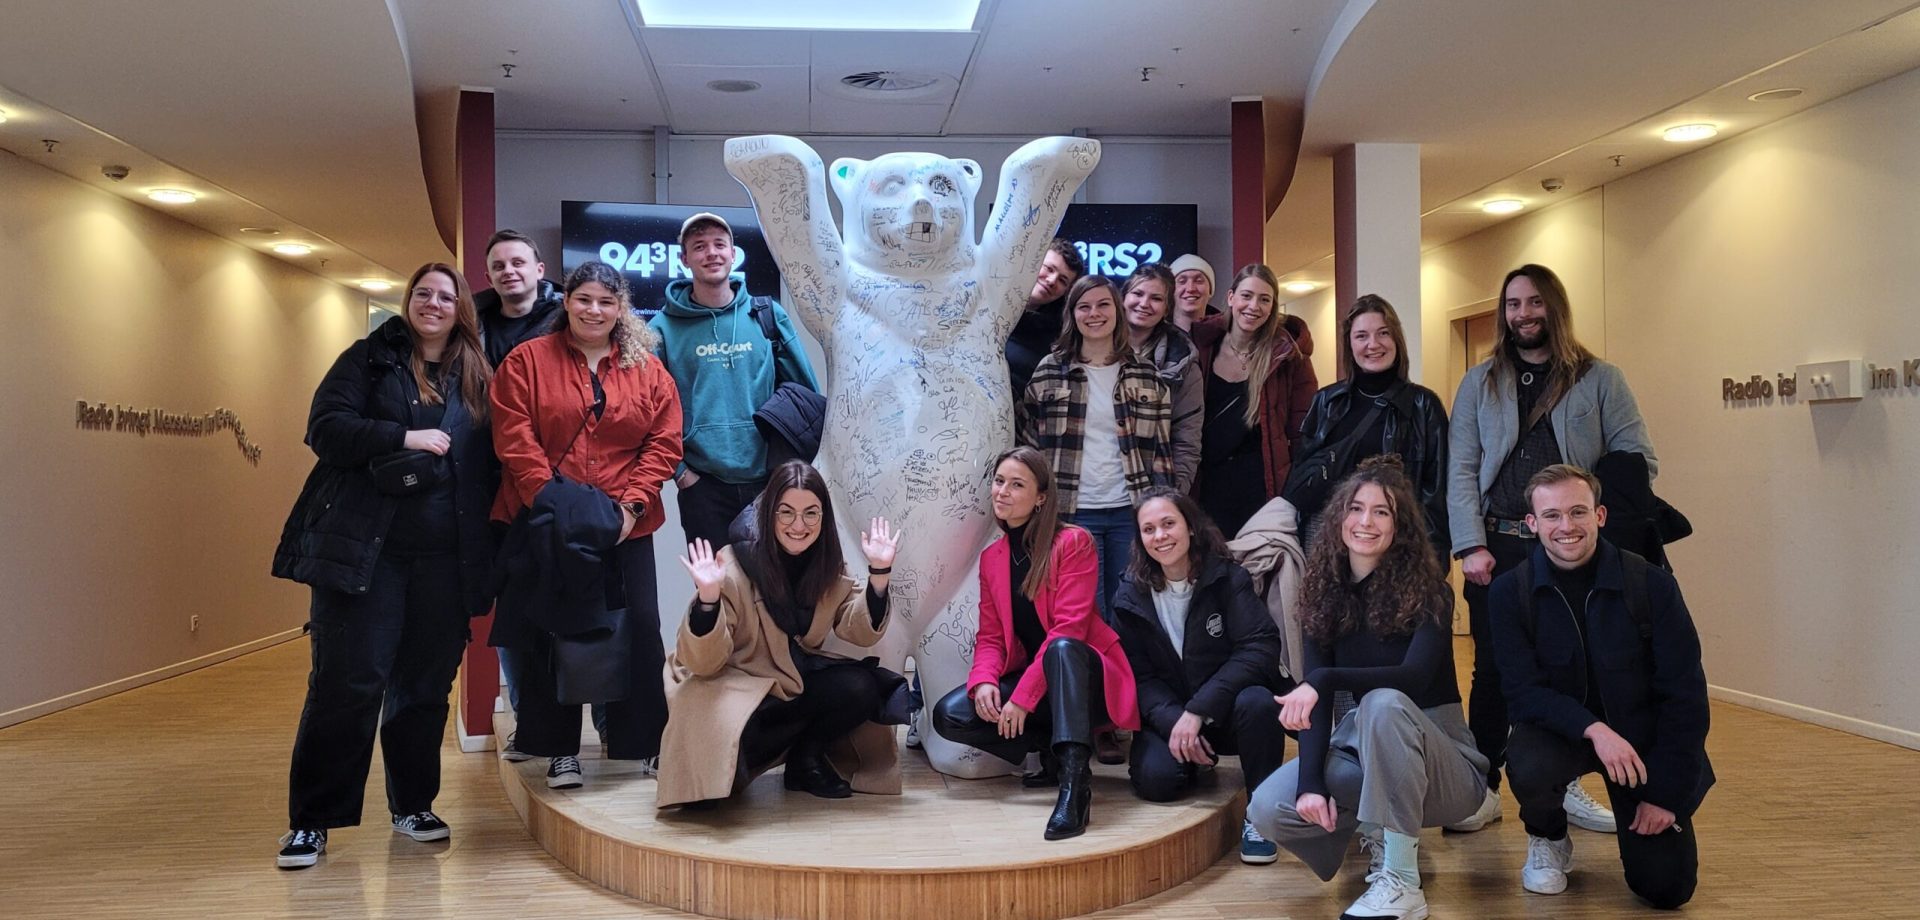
(1637, 520)
(552, 569)
(791, 421)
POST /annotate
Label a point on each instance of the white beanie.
(1191, 262)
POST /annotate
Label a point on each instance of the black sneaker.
(423, 826)
(302, 848)
(563, 773)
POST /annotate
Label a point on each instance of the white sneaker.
(563, 773)
(1584, 812)
(1489, 812)
(1389, 897)
(913, 730)
(1547, 865)
(650, 766)
(511, 752)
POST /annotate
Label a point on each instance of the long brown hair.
(1265, 338)
(762, 559)
(464, 354)
(1204, 541)
(1044, 526)
(1372, 303)
(1569, 361)
(1066, 348)
(1408, 588)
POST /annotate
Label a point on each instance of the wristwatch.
(638, 509)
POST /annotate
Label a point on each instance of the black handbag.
(408, 472)
(1313, 477)
(592, 667)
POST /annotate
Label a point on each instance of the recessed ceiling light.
(173, 196)
(375, 285)
(262, 231)
(1502, 205)
(842, 15)
(1682, 134)
(1775, 95)
(733, 86)
(3, 116)
(1300, 287)
(292, 249)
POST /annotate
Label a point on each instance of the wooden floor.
(166, 801)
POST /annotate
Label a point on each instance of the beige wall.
(113, 540)
(1790, 244)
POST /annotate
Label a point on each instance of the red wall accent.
(1249, 164)
(473, 163)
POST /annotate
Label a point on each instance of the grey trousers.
(1389, 763)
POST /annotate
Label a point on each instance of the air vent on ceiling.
(891, 86)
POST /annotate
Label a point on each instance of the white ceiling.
(307, 112)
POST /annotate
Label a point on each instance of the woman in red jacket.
(1046, 670)
(591, 401)
(1259, 384)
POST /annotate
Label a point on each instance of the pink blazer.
(1066, 611)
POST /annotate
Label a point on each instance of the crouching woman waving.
(750, 682)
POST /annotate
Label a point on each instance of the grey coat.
(1174, 358)
(1596, 416)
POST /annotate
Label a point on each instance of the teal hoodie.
(725, 368)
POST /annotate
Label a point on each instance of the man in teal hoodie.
(725, 367)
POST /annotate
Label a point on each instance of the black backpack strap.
(1638, 607)
(762, 313)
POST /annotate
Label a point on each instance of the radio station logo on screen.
(643, 242)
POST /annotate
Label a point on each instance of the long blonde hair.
(1260, 358)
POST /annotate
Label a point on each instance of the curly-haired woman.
(1374, 608)
(590, 403)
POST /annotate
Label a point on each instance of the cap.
(1190, 263)
(704, 218)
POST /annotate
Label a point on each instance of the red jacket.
(543, 397)
(1066, 611)
(1283, 399)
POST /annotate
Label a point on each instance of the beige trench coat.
(716, 681)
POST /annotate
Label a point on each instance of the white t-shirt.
(1171, 606)
(1103, 476)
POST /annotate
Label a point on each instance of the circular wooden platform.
(945, 848)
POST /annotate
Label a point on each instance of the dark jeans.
(548, 728)
(835, 700)
(1253, 732)
(1487, 703)
(384, 659)
(1661, 868)
(1112, 530)
(711, 505)
(1075, 702)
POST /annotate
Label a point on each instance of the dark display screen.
(1115, 239)
(643, 241)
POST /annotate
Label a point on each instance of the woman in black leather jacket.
(1411, 421)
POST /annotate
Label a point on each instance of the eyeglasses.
(786, 516)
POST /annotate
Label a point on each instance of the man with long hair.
(1542, 398)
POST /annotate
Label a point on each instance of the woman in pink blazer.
(1046, 671)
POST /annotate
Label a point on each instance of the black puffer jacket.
(1231, 644)
(1416, 429)
(539, 320)
(363, 409)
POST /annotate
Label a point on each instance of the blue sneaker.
(1256, 850)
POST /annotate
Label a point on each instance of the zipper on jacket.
(1585, 663)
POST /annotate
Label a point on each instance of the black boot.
(1048, 774)
(1076, 792)
(809, 772)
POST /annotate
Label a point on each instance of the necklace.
(1526, 378)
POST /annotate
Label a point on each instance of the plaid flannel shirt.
(1054, 421)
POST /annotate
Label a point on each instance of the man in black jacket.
(1039, 324)
(1601, 668)
(521, 302)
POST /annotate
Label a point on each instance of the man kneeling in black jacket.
(1205, 655)
(1601, 667)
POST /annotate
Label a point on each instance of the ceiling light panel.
(1682, 134)
(856, 15)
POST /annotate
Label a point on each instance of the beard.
(1536, 340)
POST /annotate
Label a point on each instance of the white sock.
(1403, 857)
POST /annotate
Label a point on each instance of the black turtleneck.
(1576, 585)
(1026, 620)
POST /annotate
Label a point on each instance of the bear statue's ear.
(845, 176)
(970, 174)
